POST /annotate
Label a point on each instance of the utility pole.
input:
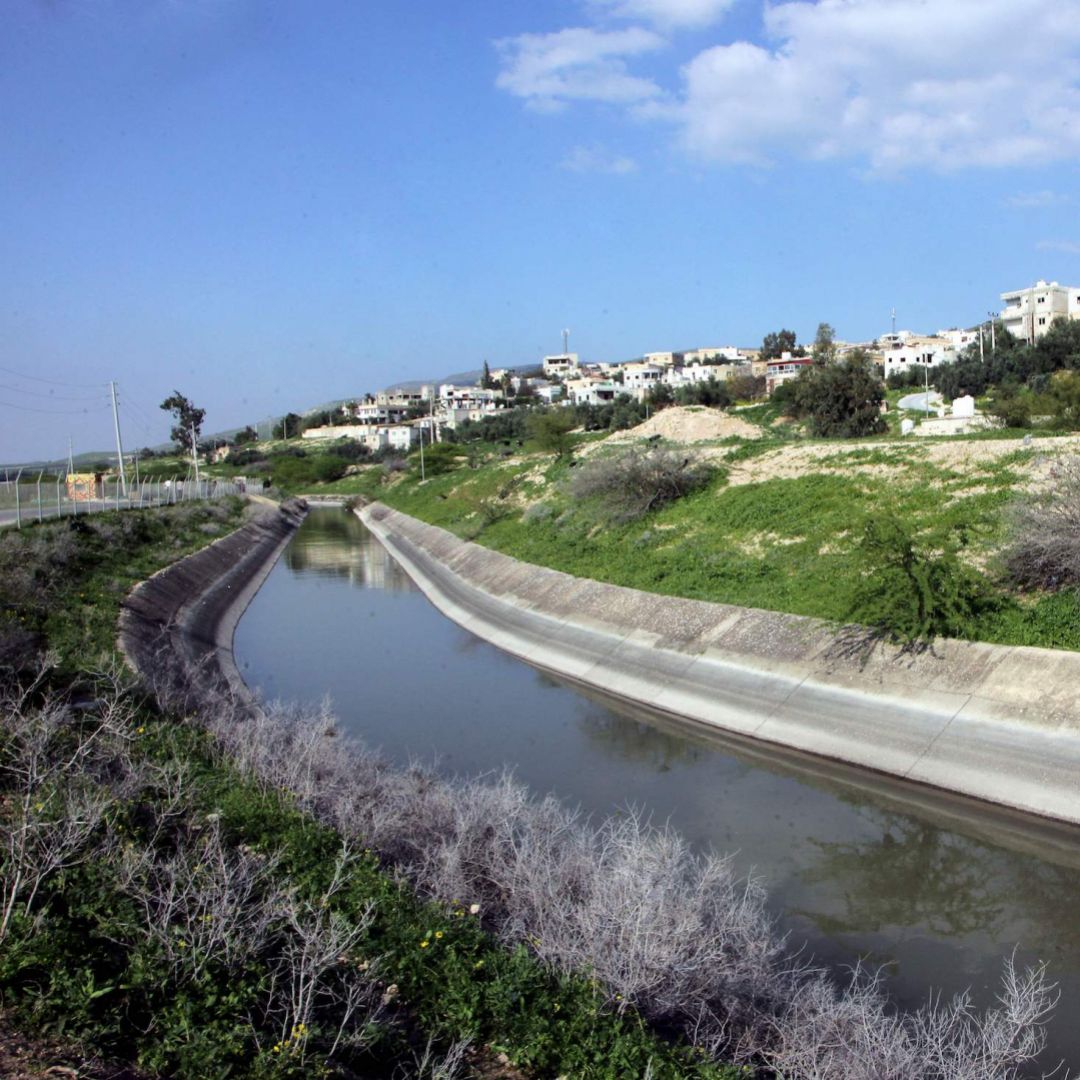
(993, 335)
(71, 460)
(119, 445)
(982, 356)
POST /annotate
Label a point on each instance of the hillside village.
(398, 419)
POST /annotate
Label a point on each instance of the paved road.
(30, 513)
(919, 401)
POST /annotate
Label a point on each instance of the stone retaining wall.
(994, 722)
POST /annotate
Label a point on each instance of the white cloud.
(898, 84)
(1036, 200)
(1065, 247)
(577, 64)
(902, 83)
(666, 13)
(596, 159)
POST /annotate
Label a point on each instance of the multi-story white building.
(561, 365)
(591, 391)
(905, 351)
(468, 397)
(917, 355)
(640, 377)
(370, 411)
(404, 399)
(1029, 313)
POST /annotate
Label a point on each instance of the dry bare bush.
(316, 974)
(675, 936)
(204, 902)
(826, 1032)
(60, 770)
(1044, 547)
(431, 1063)
(632, 482)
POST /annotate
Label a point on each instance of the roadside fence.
(24, 500)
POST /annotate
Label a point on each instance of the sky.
(266, 204)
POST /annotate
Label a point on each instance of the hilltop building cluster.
(400, 418)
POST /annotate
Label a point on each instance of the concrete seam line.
(944, 727)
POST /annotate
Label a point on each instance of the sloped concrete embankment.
(993, 722)
(176, 628)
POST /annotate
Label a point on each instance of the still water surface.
(938, 889)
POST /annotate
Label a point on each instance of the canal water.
(938, 890)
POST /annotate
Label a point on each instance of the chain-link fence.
(24, 500)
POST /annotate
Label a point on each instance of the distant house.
(917, 352)
(560, 365)
(639, 377)
(1029, 313)
(591, 391)
(787, 367)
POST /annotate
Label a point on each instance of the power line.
(53, 382)
(49, 394)
(57, 412)
(132, 404)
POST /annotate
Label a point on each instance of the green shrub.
(914, 588)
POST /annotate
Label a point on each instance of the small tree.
(660, 396)
(1010, 407)
(287, 427)
(823, 350)
(841, 399)
(550, 431)
(185, 432)
(245, 436)
(778, 343)
(915, 587)
(1064, 396)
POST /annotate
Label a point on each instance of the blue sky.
(267, 204)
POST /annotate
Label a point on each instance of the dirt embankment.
(687, 424)
(176, 628)
(962, 456)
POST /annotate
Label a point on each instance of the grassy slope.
(786, 544)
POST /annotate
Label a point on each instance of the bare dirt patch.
(963, 456)
(689, 425)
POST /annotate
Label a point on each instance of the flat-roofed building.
(1028, 313)
(560, 365)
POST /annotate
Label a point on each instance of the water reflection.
(910, 874)
(338, 549)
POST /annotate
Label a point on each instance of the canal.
(937, 889)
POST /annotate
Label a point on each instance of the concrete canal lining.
(996, 723)
(177, 627)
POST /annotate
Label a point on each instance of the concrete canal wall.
(996, 723)
(176, 628)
